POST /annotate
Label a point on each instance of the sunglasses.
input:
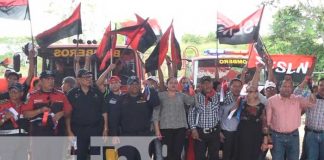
(251, 91)
(270, 88)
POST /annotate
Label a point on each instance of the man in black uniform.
(134, 114)
(87, 118)
(113, 96)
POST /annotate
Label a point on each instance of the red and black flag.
(175, 50)
(147, 38)
(105, 43)
(158, 55)
(225, 26)
(257, 53)
(14, 9)
(110, 52)
(131, 32)
(69, 27)
(245, 32)
(260, 48)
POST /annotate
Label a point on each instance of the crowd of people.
(242, 124)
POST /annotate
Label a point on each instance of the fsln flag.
(175, 50)
(257, 54)
(105, 43)
(244, 33)
(157, 57)
(225, 26)
(14, 9)
(69, 27)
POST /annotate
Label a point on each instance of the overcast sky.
(191, 16)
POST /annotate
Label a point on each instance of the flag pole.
(217, 41)
(32, 38)
(265, 48)
(111, 55)
(257, 33)
(259, 24)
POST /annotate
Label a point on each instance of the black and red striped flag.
(147, 38)
(158, 55)
(14, 9)
(244, 33)
(131, 32)
(69, 27)
(105, 43)
(175, 50)
(110, 52)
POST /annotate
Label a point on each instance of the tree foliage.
(293, 31)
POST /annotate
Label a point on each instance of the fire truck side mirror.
(16, 62)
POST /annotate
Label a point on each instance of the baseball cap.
(205, 78)
(269, 84)
(153, 78)
(16, 86)
(132, 79)
(46, 74)
(10, 72)
(114, 79)
(83, 72)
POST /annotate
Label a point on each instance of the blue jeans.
(285, 144)
(314, 145)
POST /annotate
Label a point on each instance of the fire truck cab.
(230, 64)
(130, 63)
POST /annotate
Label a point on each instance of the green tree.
(294, 32)
(192, 39)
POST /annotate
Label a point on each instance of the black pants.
(83, 139)
(174, 139)
(208, 142)
(229, 145)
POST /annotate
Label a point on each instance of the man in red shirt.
(12, 123)
(11, 120)
(46, 107)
